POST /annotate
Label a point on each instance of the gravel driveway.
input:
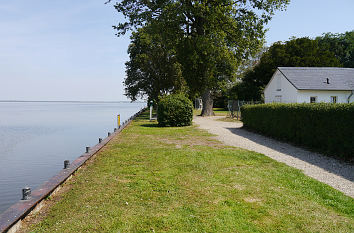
(337, 174)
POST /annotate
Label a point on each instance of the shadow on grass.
(151, 125)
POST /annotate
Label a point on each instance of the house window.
(277, 99)
(313, 99)
(334, 99)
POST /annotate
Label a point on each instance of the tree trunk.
(207, 103)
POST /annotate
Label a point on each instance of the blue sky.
(67, 50)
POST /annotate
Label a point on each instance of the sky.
(67, 50)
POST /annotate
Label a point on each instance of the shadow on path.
(331, 165)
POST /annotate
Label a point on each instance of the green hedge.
(175, 110)
(325, 127)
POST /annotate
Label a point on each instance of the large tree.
(300, 52)
(212, 36)
(152, 70)
(342, 45)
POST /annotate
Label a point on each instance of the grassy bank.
(151, 179)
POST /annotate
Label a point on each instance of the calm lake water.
(36, 137)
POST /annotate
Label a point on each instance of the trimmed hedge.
(325, 127)
(175, 110)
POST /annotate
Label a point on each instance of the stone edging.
(11, 219)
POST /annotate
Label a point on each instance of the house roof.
(315, 78)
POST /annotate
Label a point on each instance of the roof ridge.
(319, 78)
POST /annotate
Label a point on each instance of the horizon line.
(75, 101)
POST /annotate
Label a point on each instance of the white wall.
(323, 96)
(279, 89)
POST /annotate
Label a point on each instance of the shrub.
(325, 127)
(175, 110)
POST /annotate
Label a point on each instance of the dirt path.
(335, 173)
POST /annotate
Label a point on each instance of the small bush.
(175, 110)
(325, 127)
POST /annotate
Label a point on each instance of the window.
(313, 99)
(277, 99)
(334, 99)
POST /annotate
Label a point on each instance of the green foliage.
(300, 52)
(175, 110)
(325, 127)
(342, 45)
(245, 91)
(211, 38)
(180, 179)
(152, 70)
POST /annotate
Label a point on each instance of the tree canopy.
(342, 45)
(152, 70)
(300, 52)
(211, 37)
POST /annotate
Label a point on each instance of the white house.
(310, 85)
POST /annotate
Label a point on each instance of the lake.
(36, 138)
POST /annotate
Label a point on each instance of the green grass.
(221, 112)
(152, 179)
(217, 111)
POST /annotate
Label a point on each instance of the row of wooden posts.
(26, 192)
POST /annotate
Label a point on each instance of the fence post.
(66, 164)
(26, 193)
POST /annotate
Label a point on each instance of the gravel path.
(335, 173)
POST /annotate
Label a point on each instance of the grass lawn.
(152, 179)
(221, 112)
(217, 111)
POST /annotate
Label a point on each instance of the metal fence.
(234, 107)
